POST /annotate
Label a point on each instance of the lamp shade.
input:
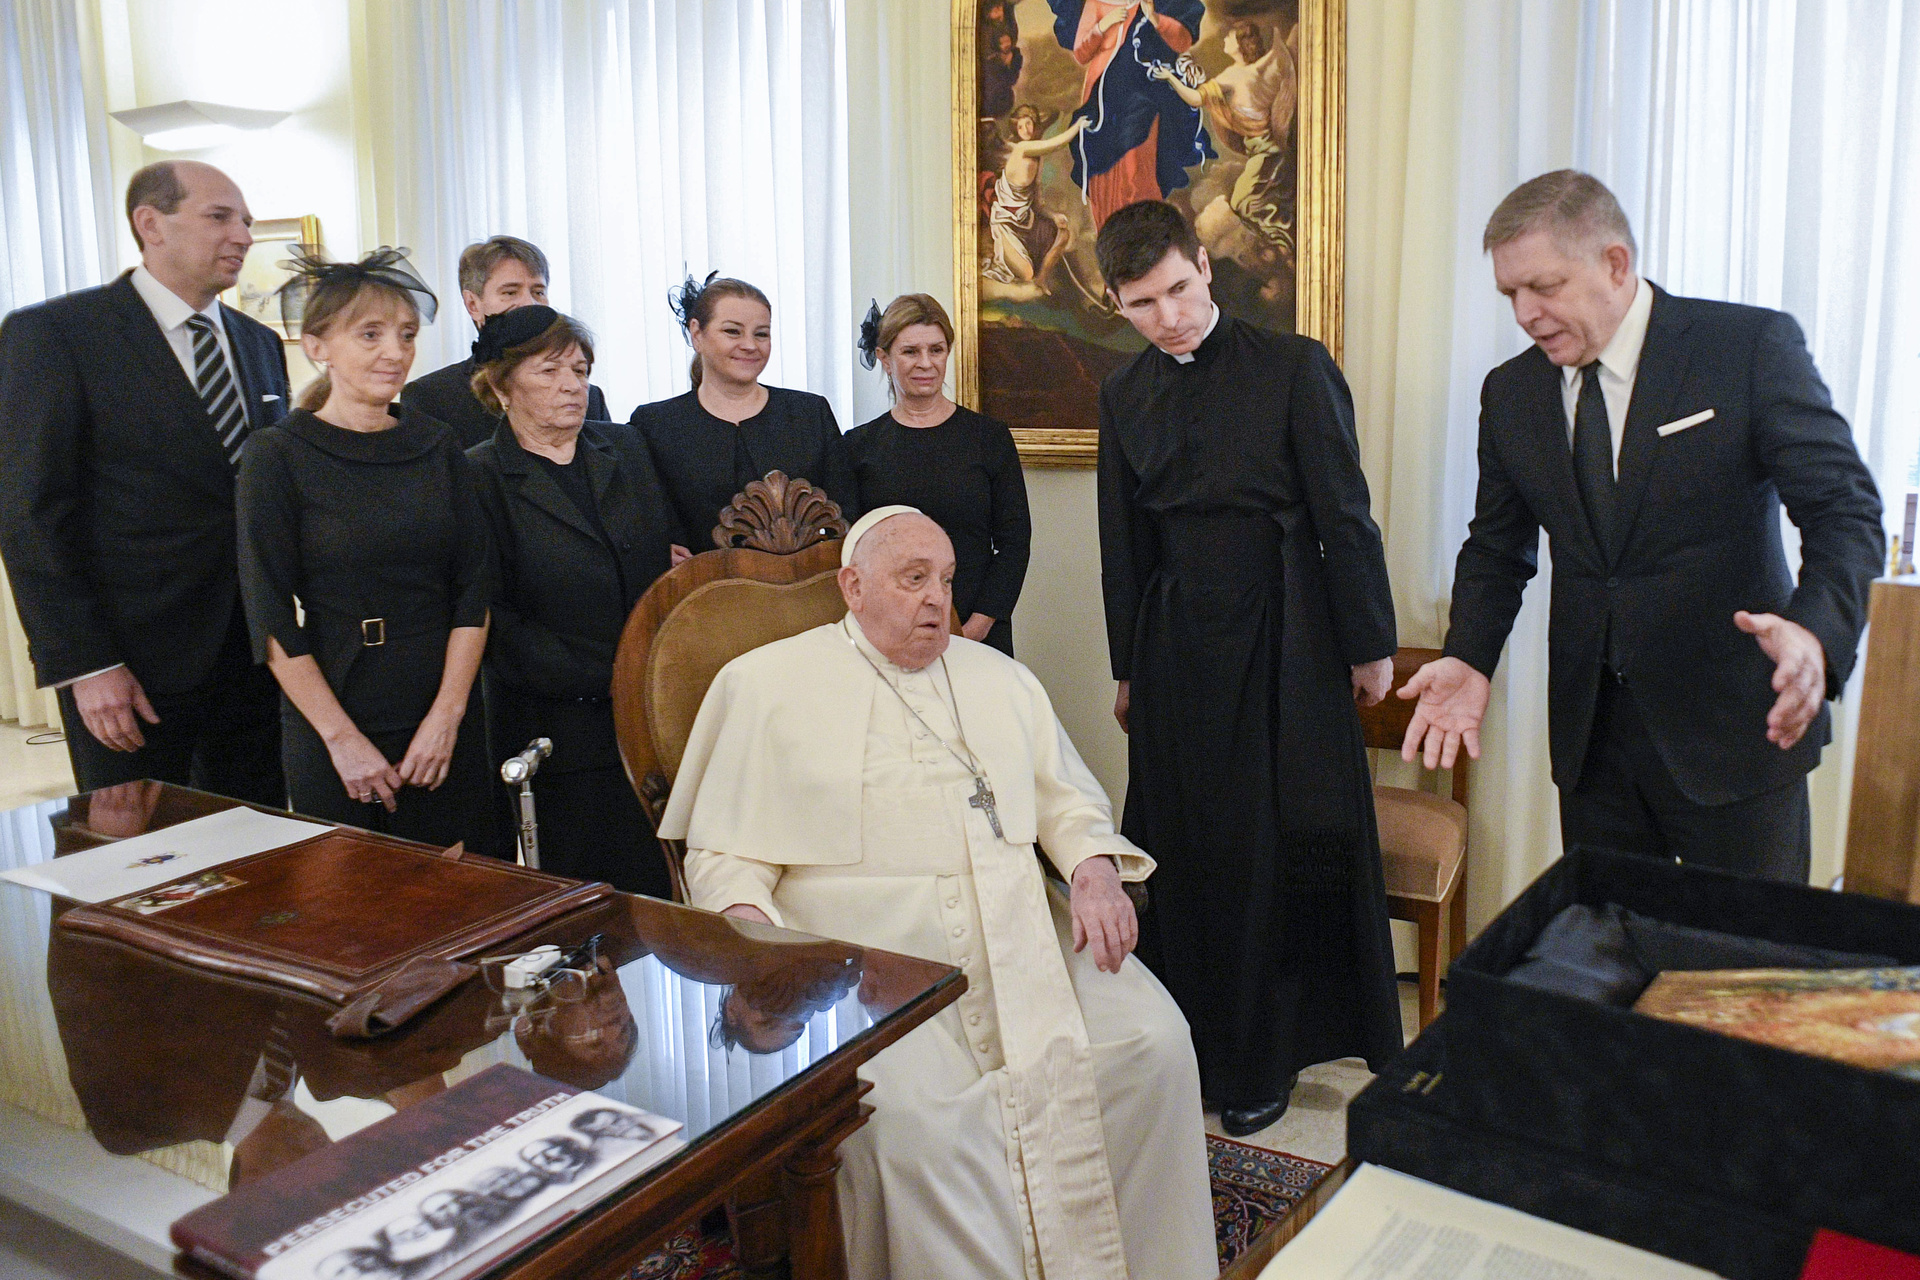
(194, 126)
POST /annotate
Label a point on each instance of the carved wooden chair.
(771, 577)
(1423, 840)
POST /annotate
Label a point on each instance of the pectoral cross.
(982, 799)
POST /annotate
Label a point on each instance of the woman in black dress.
(371, 521)
(729, 430)
(581, 527)
(958, 466)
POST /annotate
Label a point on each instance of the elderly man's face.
(1570, 304)
(899, 588)
(512, 284)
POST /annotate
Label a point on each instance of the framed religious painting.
(1066, 110)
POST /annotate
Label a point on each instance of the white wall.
(274, 57)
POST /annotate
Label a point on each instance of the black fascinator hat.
(868, 344)
(685, 297)
(386, 266)
(502, 332)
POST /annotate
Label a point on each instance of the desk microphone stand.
(520, 770)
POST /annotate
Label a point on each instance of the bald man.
(884, 782)
(123, 410)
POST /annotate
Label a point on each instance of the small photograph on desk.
(172, 895)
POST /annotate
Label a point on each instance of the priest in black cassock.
(1247, 612)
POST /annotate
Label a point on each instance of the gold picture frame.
(255, 293)
(1017, 308)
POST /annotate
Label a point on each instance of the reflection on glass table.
(117, 1064)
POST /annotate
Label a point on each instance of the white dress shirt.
(1619, 363)
(1186, 357)
(171, 311)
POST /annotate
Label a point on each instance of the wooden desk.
(160, 1058)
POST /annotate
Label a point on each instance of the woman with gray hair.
(582, 528)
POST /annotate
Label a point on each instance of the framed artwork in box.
(255, 294)
(1066, 110)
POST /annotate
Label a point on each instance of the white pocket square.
(264, 399)
(1681, 424)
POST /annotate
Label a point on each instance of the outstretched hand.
(1453, 701)
(1103, 914)
(1799, 673)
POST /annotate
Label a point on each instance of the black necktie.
(1593, 457)
(217, 388)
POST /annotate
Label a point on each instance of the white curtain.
(1763, 150)
(56, 221)
(633, 141)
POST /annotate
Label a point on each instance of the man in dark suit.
(122, 413)
(1655, 439)
(495, 275)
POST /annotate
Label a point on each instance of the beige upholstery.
(710, 628)
(1421, 839)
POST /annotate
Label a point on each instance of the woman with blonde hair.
(731, 429)
(958, 466)
(367, 515)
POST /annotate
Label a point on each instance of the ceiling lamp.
(194, 126)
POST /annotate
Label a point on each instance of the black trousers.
(1627, 800)
(223, 737)
(592, 828)
(459, 810)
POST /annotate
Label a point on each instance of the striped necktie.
(218, 391)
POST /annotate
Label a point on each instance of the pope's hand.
(741, 911)
(1453, 701)
(1103, 914)
(1799, 673)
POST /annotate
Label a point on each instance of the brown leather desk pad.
(339, 913)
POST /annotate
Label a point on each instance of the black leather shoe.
(1238, 1122)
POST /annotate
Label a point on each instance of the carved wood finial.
(779, 515)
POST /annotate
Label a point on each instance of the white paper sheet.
(140, 862)
(1384, 1225)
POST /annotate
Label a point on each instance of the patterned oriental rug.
(1252, 1189)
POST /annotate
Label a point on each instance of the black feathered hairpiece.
(385, 265)
(868, 344)
(508, 329)
(685, 298)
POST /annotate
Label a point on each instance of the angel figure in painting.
(1249, 108)
(1027, 239)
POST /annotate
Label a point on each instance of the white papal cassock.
(1048, 1124)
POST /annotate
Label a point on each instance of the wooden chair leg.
(1457, 919)
(1429, 925)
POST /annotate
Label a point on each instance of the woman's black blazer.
(564, 594)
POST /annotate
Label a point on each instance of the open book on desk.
(1384, 1225)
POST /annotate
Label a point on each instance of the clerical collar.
(1187, 357)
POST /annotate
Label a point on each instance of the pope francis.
(881, 781)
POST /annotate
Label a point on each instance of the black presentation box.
(1409, 1119)
(1805, 1140)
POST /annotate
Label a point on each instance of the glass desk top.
(117, 1055)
